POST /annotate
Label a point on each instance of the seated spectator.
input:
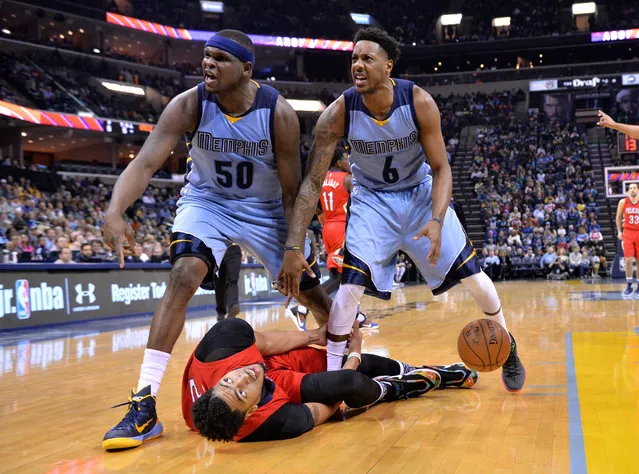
(575, 259)
(548, 258)
(25, 249)
(86, 254)
(65, 256)
(159, 256)
(492, 265)
(559, 268)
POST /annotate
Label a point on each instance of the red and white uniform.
(630, 228)
(334, 199)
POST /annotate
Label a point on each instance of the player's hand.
(290, 274)
(605, 120)
(118, 236)
(433, 232)
(320, 335)
(355, 342)
(620, 235)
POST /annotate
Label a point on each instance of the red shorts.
(287, 370)
(631, 244)
(334, 234)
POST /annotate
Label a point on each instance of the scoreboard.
(626, 143)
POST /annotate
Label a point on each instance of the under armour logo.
(80, 295)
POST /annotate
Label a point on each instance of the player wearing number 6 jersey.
(243, 175)
(393, 129)
(628, 209)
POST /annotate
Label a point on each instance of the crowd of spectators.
(65, 226)
(410, 21)
(537, 193)
(50, 81)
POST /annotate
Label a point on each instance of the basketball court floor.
(579, 411)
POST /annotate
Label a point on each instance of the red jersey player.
(628, 208)
(232, 390)
(332, 212)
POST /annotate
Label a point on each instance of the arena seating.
(536, 187)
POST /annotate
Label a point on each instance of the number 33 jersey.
(233, 157)
(386, 155)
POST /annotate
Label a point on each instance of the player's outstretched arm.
(179, 117)
(279, 342)
(287, 154)
(328, 131)
(607, 122)
(432, 141)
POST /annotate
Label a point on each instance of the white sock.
(334, 354)
(483, 291)
(152, 370)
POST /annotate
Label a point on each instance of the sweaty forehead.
(369, 47)
(214, 50)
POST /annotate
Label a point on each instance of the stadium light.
(361, 18)
(96, 50)
(501, 21)
(5, 31)
(451, 19)
(208, 6)
(300, 105)
(584, 8)
(123, 88)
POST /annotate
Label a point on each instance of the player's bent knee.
(187, 275)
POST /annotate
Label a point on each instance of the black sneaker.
(455, 375)
(412, 384)
(628, 292)
(138, 425)
(513, 373)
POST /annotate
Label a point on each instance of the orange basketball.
(483, 345)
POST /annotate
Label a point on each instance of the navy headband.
(230, 46)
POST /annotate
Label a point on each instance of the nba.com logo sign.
(23, 302)
(22, 299)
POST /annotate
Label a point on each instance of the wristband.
(438, 220)
(293, 248)
(355, 354)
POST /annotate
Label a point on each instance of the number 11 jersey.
(386, 155)
(233, 157)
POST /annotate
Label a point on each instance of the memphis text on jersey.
(206, 141)
(384, 146)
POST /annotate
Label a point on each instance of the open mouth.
(209, 78)
(359, 79)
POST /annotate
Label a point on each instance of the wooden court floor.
(578, 413)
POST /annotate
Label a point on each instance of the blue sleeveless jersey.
(386, 155)
(232, 157)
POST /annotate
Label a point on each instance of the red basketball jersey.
(334, 197)
(630, 216)
(200, 376)
(287, 370)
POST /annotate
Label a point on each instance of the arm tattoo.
(315, 413)
(319, 160)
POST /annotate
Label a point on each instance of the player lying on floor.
(236, 387)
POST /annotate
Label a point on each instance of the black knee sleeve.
(187, 245)
(354, 388)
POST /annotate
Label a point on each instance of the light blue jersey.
(392, 200)
(232, 157)
(385, 154)
(232, 192)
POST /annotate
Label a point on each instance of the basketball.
(483, 345)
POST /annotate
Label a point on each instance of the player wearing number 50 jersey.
(628, 209)
(243, 175)
(394, 132)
